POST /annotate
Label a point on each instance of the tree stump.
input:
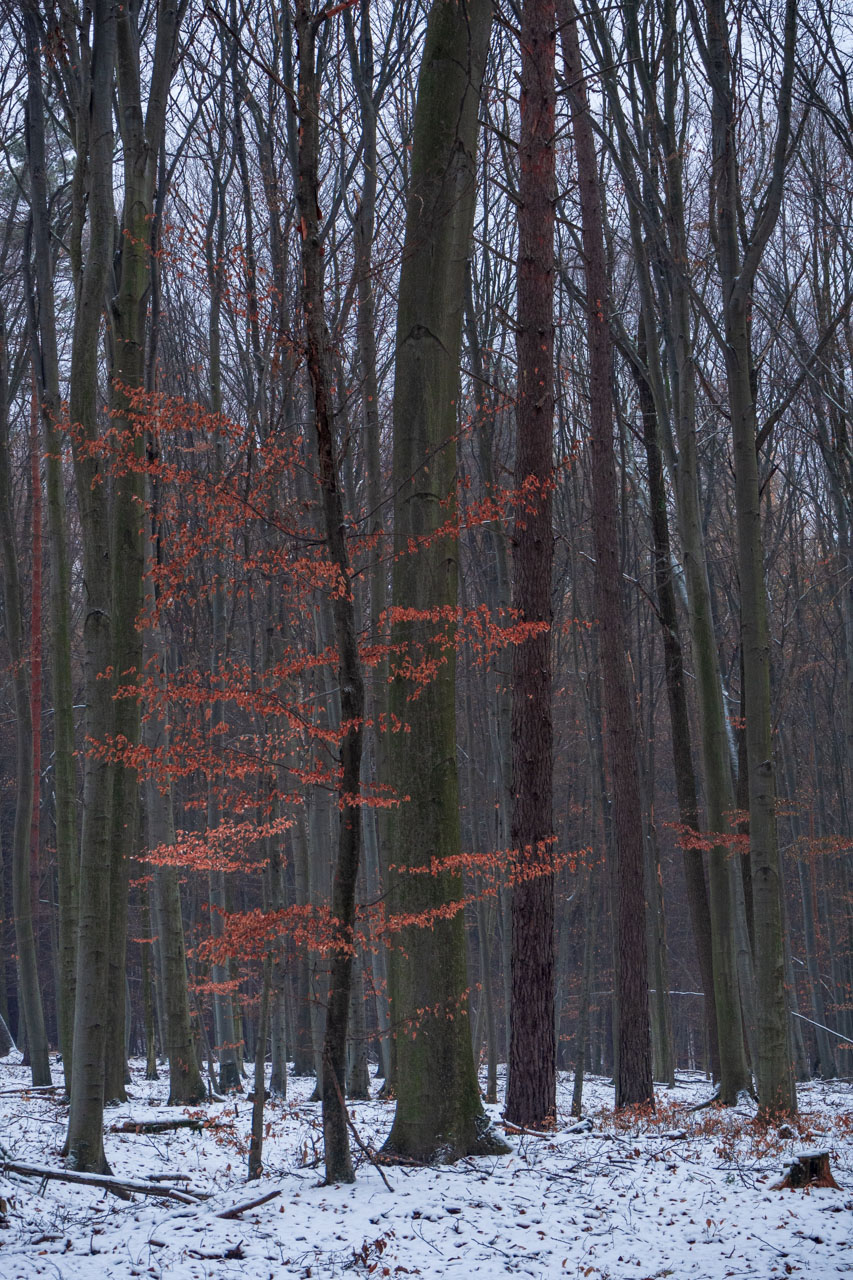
(809, 1169)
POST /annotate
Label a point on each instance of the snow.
(684, 1193)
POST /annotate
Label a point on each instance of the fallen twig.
(249, 1204)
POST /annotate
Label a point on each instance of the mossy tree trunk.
(439, 1114)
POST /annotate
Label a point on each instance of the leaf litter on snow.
(684, 1193)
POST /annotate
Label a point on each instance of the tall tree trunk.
(256, 1142)
(590, 914)
(634, 1073)
(93, 204)
(685, 778)
(22, 898)
(147, 968)
(531, 1091)
(439, 1114)
(43, 342)
(363, 71)
(225, 1032)
(675, 304)
(351, 683)
(737, 270)
(185, 1083)
(141, 129)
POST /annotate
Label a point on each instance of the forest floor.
(682, 1193)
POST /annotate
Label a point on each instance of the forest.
(426, 660)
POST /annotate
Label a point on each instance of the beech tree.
(439, 1114)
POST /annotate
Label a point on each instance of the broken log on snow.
(162, 1126)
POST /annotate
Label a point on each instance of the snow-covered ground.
(685, 1193)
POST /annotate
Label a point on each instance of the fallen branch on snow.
(106, 1181)
(164, 1126)
(29, 1088)
(249, 1204)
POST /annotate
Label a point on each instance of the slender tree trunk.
(146, 953)
(225, 1032)
(185, 1083)
(141, 129)
(358, 1074)
(685, 778)
(22, 897)
(303, 1056)
(363, 70)
(93, 205)
(351, 683)
(776, 1091)
(256, 1142)
(278, 1017)
(531, 1092)
(634, 1074)
(35, 664)
(46, 365)
(582, 1028)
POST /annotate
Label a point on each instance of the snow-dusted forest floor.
(683, 1193)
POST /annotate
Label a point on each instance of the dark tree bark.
(185, 1083)
(634, 1073)
(738, 255)
(43, 341)
(92, 194)
(142, 127)
(531, 1091)
(679, 720)
(110, 516)
(256, 1144)
(26, 797)
(660, 249)
(351, 683)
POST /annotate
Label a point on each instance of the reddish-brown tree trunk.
(35, 659)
